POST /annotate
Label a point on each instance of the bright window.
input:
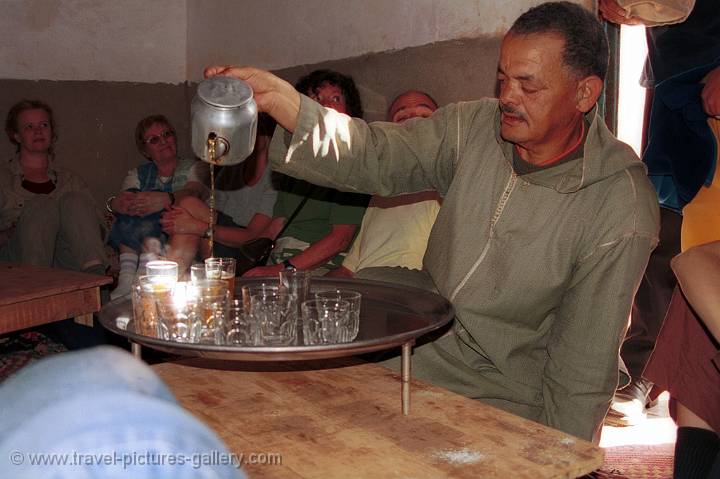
(631, 96)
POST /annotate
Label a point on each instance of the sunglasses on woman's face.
(155, 139)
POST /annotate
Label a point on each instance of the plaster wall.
(102, 65)
(96, 123)
(101, 40)
(286, 33)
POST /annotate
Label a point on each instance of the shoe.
(123, 289)
(629, 405)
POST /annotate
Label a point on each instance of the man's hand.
(272, 270)
(612, 12)
(711, 93)
(272, 94)
(177, 220)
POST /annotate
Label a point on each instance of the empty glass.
(325, 321)
(354, 299)
(240, 327)
(197, 272)
(276, 317)
(161, 270)
(250, 290)
(296, 283)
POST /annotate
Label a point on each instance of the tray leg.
(136, 350)
(405, 367)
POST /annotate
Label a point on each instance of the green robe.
(541, 268)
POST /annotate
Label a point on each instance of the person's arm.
(317, 254)
(147, 202)
(650, 14)
(698, 272)
(341, 272)
(611, 11)
(711, 93)
(328, 148)
(235, 237)
(581, 371)
(352, 259)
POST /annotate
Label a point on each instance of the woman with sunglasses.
(146, 191)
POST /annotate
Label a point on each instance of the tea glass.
(354, 298)
(325, 321)
(221, 268)
(146, 291)
(296, 283)
(213, 299)
(179, 316)
(166, 271)
(240, 327)
(197, 272)
(250, 290)
(276, 317)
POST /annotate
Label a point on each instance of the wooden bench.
(35, 295)
(342, 418)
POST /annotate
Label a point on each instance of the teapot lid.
(224, 92)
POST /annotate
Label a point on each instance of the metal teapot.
(224, 120)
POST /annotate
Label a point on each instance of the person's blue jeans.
(131, 231)
(103, 414)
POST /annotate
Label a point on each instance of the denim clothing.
(108, 415)
(132, 230)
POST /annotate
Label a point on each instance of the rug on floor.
(641, 461)
(17, 350)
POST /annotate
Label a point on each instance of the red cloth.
(686, 362)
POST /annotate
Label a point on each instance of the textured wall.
(104, 64)
(170, 41)
(108, 40)
(96, 122)
(280, 34)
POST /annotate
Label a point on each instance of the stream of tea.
(211, 157)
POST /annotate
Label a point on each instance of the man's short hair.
(391, 111)
(586, 46)
(392, 103)
(11, 126)
(314, 80)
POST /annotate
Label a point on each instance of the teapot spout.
(217, 148)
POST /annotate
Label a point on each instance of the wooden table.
(34, 295)
(345, 421)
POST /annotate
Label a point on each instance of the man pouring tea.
(546, 225)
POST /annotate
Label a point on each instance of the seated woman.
(325, 224)
(47, 214)
(244, 203)
(145, 192)
(686, 361)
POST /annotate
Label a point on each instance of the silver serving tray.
(391, 315)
